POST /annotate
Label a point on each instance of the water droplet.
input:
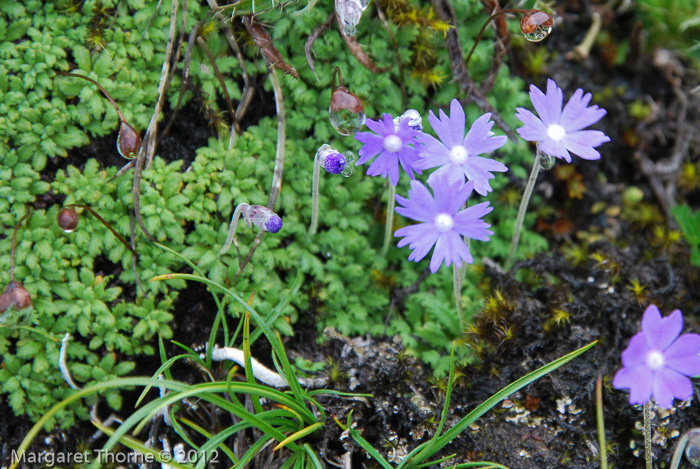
(350, 12)
(536, 25)
(128, 141)
(346, 112)
(67, 219)
(349, 160)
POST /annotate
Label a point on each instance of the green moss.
(44, 116)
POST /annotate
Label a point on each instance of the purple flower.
(392, 144)
(456, 154)
(442, 221)
(657, 362)
(558, 131)
(263, 218)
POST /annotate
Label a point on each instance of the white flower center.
(556, 132)
(655, 360)
(444, 222)
(392, 143)
(459, 154)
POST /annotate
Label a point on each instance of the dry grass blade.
(149, 146)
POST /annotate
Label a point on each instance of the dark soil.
(551, 423)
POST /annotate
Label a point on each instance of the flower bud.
(67, 219)
(128, 141)
(263, 218)
(15, 295)
(415, 121)
(335, 162)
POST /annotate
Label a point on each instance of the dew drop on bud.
(346, 112)
(128, 141)
(536, 25)
(67, 219)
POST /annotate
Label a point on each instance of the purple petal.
(386, 164)
(420, 205)
(449, 248)
(450, 196)
(636, 352)
(638, 380)
(661, 332)
(682, 355)
(581, 143)
(454, 173)
(553, 148)
(576, 115)
(669, 384)
(408, 157)
(468, 222)
(375, 126)
(373, 145)
(450, 130)
(432, 153)
(534, 129)
(480, 139)
(548, 106)
(478, 169)
(421, 239)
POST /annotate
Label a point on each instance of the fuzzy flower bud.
(415, 121)
(263, 218)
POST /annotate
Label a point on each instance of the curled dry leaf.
(264, 42)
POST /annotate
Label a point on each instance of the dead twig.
(262, 39)
(309, 44)
(501, 42)
(357, 51)
(444, 12)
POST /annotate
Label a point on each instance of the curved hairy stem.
(279, 162)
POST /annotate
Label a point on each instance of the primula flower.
(392, 144)
(657, 362)
(457, 154)
(442, 221)
(559, 131)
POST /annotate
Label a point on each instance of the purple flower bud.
(263, 218)
(333, 162)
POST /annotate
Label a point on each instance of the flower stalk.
(389, 227)
(647, 435)
(524, 202)
(333, 162)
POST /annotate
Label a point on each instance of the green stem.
(314, 194)
(601, 422)
(457, 279)
(524, 202)
(647, 435)
(389, 218)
